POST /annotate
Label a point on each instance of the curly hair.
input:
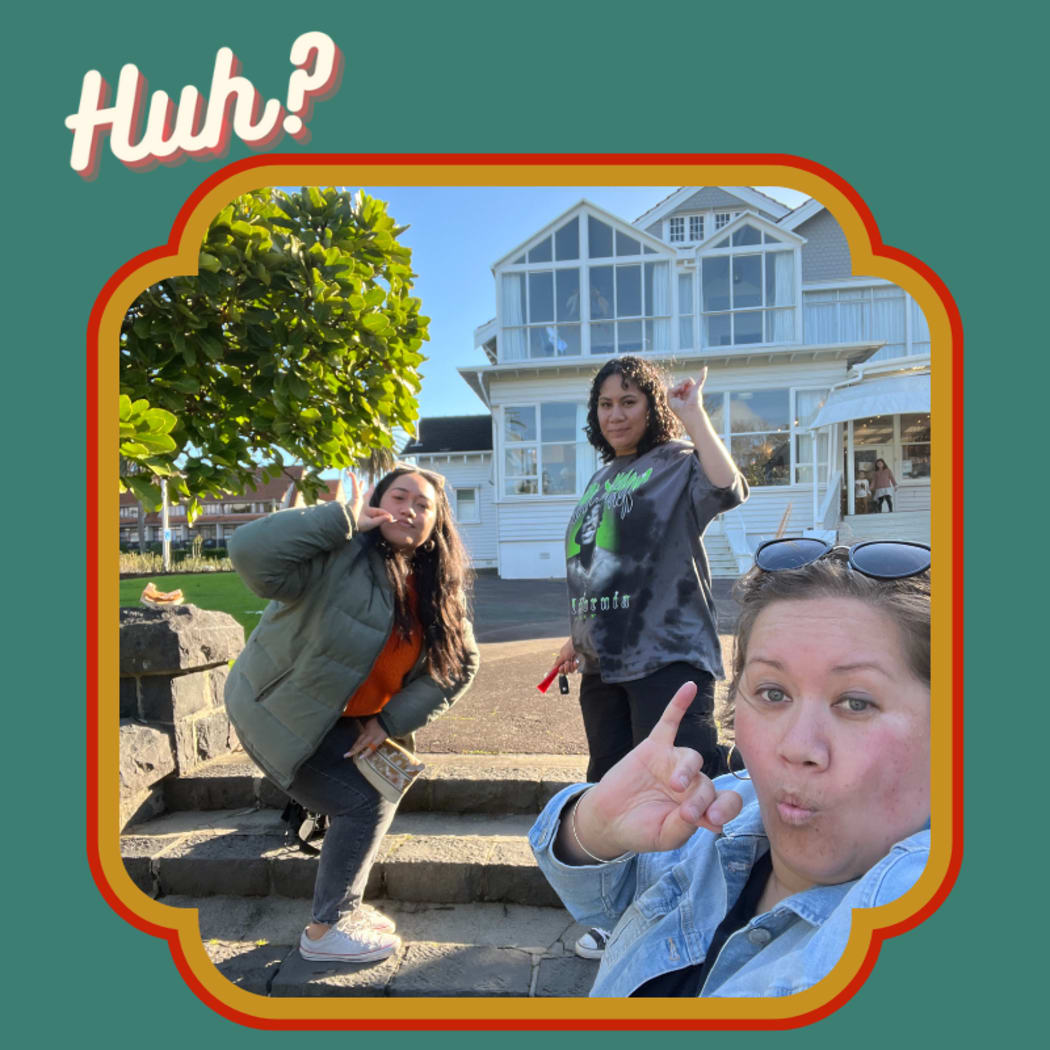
(661, 424)
(442, 580)
(906, 602)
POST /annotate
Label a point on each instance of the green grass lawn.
(207, 590)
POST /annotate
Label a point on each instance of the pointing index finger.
(665, 730)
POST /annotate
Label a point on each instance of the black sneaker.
(592, 944)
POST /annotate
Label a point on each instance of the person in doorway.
(641, 612)
(885, 485)
(366, 637)
(747, 885)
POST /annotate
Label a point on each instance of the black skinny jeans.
(620, 715)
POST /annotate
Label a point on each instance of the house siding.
(825, 255)
(714, 197)
(471, 470)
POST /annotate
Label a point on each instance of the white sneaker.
(373, 917)
(352, 943)
(592, 944)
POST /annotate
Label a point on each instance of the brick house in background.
(221, 515)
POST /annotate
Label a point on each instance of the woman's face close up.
(834, 728)
(411, 499)
(623, 411)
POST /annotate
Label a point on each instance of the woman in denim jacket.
(746, 886)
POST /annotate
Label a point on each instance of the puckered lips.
(795, 809)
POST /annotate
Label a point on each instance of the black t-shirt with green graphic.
(639, 583)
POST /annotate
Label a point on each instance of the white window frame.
(586, 462)
(764, 250)
(648, 253)
(793, 432)
(457, 489)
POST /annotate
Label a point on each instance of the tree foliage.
(299, 334)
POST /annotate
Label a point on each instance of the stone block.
(249, 966)
(293, 873)
(184, 638)
(510, 874)
(213, 734)
(167, 698)
(226, 864)
(145, 757)
(269, 793)
(417, 872)
(217, 681)
(433, 969)
(142, 806)
(129, 698)
(567, 976)
(137, 853)
(298, 977)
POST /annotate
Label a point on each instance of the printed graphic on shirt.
(638, 582)
(592, 546)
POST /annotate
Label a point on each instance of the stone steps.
(464, 950)
(436, 857)
(455, 871)
(449, 783)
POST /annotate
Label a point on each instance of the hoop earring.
(729, 762)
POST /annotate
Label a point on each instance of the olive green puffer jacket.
(330, 615)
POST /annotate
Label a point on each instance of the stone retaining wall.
(173, 668)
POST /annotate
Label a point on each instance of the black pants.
(619, 716)
(888, 499)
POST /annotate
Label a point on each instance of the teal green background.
(927, 110)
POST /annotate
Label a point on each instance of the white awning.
(875, 397)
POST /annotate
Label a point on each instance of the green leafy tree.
(298, 336)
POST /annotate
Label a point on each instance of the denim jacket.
(664, 908)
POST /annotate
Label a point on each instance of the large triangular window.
(590, 287)
(748, 290)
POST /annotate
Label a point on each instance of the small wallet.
(390, 769)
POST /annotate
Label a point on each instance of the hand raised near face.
(656, 797)
(687, 396)
(367, 517)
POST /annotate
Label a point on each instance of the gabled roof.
(747, 194)
(804, 211)
(652, 242)
(749, 218)
(451, 434)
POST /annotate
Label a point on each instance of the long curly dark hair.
(443, 580)
(662, 424)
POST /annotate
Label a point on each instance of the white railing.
(829, 510)
(734, 526)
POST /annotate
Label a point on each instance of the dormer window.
(721, 219)
(696, 227)
(676, 229)
(748, 290)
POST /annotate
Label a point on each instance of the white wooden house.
(460, 449)
(814, 371)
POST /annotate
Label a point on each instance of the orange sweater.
(393, 663)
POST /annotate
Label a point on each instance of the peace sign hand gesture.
(686, 397)
(653, 799)
(366, 517)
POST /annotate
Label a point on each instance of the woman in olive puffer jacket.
(366, 637)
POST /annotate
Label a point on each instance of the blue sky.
(457, 233)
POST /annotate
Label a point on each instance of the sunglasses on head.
(879, 559)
